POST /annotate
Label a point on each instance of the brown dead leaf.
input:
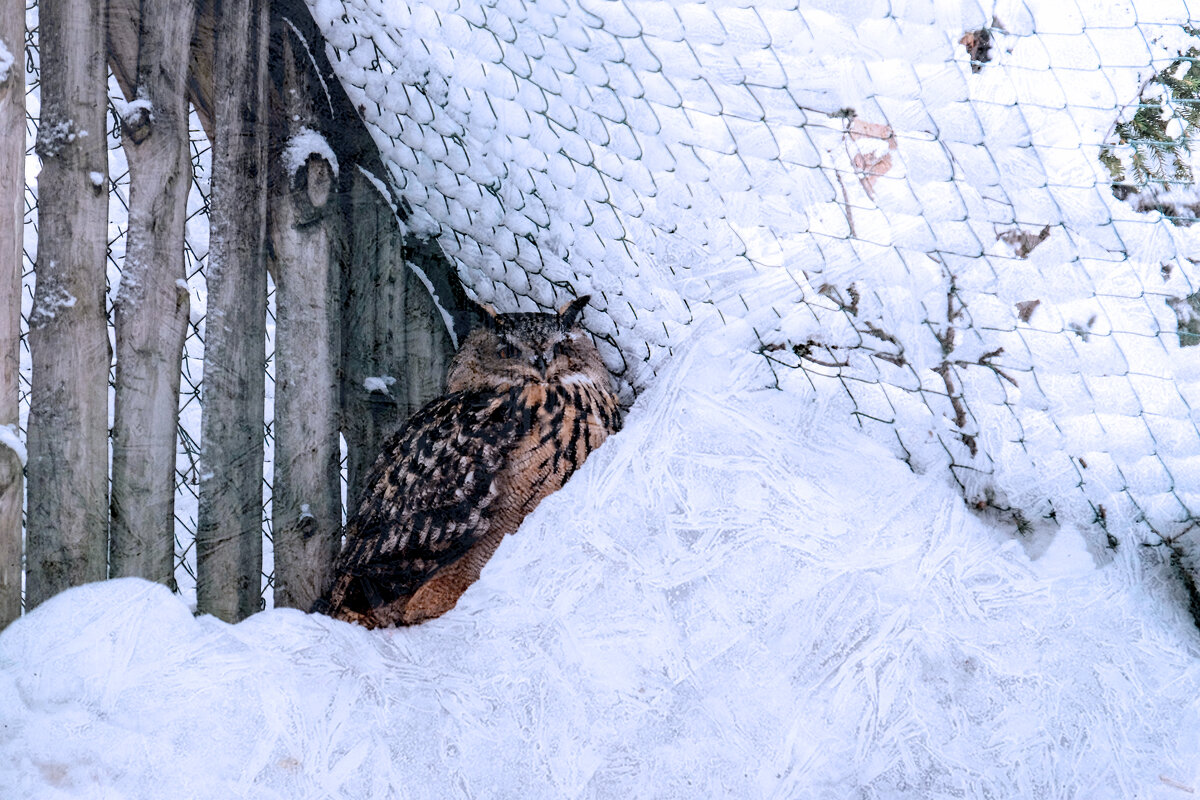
(869, 166)
(1023, 242)
(1026, 308)
(979, 47)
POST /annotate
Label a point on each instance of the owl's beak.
(541, 361)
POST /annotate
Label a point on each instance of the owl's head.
(517, 349)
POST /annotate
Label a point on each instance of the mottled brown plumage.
(529, 398)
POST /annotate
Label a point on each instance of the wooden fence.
(297, 190)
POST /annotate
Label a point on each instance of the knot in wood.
(312, 185)
(135, 124)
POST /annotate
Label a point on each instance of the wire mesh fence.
(976, 230)
(975, 226)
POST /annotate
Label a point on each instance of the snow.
(308, 52)
(47, 304)
(381, 384)
(127, 108)
(6, 61)
(10, 437)
(739, 595)
(304, 144)
(53, 137)
(386, 196)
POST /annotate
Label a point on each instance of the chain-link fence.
(976, 229)
(975, 226)
(196, 255)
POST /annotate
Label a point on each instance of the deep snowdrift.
(739, 596)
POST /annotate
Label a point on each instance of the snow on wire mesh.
(975, 226)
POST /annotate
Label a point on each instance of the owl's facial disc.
(520, 348)
(532, 356)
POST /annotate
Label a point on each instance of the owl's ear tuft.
(569, 312)
(491, 319)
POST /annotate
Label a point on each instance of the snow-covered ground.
(739, 595)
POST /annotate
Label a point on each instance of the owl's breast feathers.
(463, 471)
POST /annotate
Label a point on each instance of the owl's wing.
(426, 499)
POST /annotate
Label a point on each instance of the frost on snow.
(739, 595)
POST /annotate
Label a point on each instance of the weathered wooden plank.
(396, 345)
(151, 305)
(390, 325)
(229, 525)
(67, 521)
(12, 190)
(306, 493)
(201, 89)
(123, 27)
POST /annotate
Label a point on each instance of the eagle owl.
(528, 398)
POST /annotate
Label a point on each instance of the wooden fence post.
(12, 192)
(67, 520)
(151, 305)
(306, 497)
(229, 524)
(397, 346)
(123, 21)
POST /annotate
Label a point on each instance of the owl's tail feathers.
(353, 599)
(334, 596)
(333, 604)
(320, 606)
